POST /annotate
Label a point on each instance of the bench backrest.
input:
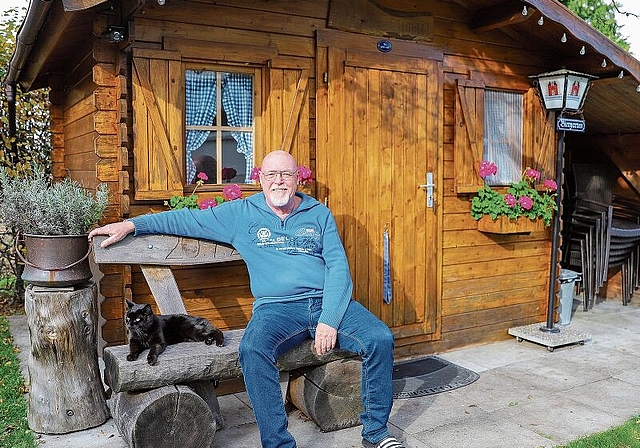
(155, 254)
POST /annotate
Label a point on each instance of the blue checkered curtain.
(200, 91)
(237, 101)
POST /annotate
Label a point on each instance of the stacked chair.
(601, 232)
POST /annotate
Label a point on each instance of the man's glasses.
(285, 175)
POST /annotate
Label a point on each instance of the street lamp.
(564, 91)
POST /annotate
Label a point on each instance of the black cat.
(146, 330)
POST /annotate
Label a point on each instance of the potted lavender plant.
(52, 219)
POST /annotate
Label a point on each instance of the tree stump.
(165, 417)
(329, 394)
(66, 392)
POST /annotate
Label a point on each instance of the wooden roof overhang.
(54, 30)
(613, 103)
(49, 38)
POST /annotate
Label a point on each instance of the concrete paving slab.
(494, 390)
(631, 376)
(105, 435)
(236, 411)
(483, 431)
(491, 356)
(557, 418)
(554, 374)
(614, 396)
(416, 415)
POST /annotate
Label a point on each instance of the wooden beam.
(499, 16)
(620, 157)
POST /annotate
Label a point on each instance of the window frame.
(258, 73)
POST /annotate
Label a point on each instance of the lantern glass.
(552, 89)
(563, 89)
(575, 92)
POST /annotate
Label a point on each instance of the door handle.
(428, 187)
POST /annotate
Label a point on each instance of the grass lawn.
(14, 430)
(625, 436)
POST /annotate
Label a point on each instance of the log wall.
(218, 293)
(486, 283)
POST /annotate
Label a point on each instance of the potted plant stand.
(504, 225)
(52, 220)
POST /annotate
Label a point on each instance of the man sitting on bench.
(302, 287)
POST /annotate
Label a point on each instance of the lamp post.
(563, 91)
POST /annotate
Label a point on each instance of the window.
(503, 135)
(219, 116)
(506, 125)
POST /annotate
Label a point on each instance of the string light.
(525, 11)
(638, 88)
(604, 63)
(541, 21)
(563, 39)
(583, 50)
(621, 74)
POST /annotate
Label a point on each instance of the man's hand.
(326, 338)
(116, 232)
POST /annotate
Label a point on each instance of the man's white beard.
(279, 198)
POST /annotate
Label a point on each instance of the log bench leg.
(329, 394)
(165, 417)
(66, 392)
(206, 390)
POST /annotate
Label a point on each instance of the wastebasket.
(567, 283)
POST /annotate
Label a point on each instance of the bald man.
(302, 287)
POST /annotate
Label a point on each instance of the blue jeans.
(278, 327)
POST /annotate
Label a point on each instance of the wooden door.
(377, 140)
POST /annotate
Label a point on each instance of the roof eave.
(37, 14)
(579, 29)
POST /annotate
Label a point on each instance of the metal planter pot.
(56, 260)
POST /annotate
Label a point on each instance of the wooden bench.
(326, 388)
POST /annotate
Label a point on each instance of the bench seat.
(195, 361)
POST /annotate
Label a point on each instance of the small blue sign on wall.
(384, 46)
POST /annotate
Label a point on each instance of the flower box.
(506, 225)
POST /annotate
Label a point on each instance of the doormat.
(428, 376)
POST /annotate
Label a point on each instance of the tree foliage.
(600, 14)
(30, 147)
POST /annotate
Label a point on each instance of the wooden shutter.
(539, 137)
(468, 135)
(158, 131)
(286, 111)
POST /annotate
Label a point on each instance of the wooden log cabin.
(378, 98)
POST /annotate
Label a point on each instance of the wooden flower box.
(506, 225)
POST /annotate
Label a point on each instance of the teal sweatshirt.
(291, 259)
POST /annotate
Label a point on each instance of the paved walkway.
(526, 397)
